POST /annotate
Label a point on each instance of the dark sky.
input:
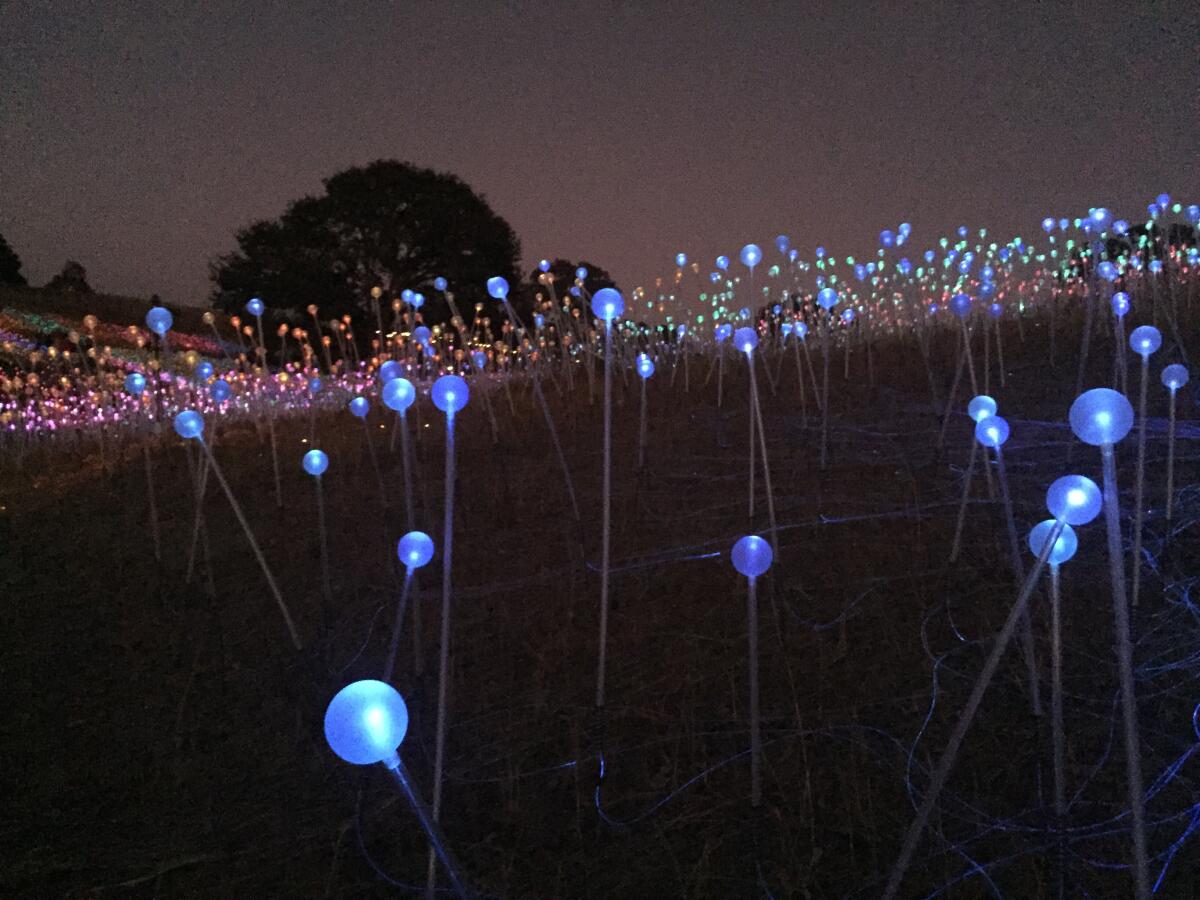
(136, 138)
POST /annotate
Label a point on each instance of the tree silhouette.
(72, 279)
(390, 225)
(10, 265)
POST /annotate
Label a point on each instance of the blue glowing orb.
(581, 273)
(1064, 547)
(417, 301)
(827, 298)
(645, 365)
(497, 287)
(135, 382)
(981, 407)
(1074, 499)
(189, 424)
(159, 320)
(1174, 377)
(366, 722)
(1120, 303)
(254, 306)
(399, 394)
(752, 556)
(722, 263)
(390, 370)
(450, 394)
(360, 406)
(220, 390)
(315, 462)
(1145, 339)
(745, 339)
(751, 255)
(607, 304)
(439, 283)
(992, 431)
(887, 238)
(1101, 416)
(415, 549)
(681, 259)
(961, 305)
(544, 265)
(204, 370)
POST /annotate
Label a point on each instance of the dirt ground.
(163, 738)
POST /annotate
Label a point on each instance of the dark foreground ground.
(159, 743)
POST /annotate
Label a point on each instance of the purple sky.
(136, 138)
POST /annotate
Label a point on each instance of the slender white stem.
(755, 736)
(1171, 459)
(1139, 504)
(606, 511)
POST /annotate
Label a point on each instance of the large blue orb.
(722, 263)
(315, 462)
(961, 304)
(439, 283)
(254, 306)
(366, 722)
(745, 339)
(722, 332)
(1108, 271)
(135, 382)
(992, 431)
(189, 424)
(1145, 339)
(159, 320)
(581, 273)
(981, 407)
(1064, 547)
(220, 390)
(360, 406)
(751, 255)
(1174, 377)
(417, 301)
(497, 287)
(752, 556)
(607, 304)
(1101, 416)
(1120, 303)
(827, 298)
(450, 394)
(399, 394)
(204, 370)
(390, 370)
(415, 549)
(1074, 499)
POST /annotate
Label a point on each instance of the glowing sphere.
(786, 328)
(981, 407)
(159, 320)
(1174, 377)
(1120, 303)
(1064, 547)
(581, 273)
(1193, 214)
(366, 722)
(421, 335)
(801, 330)
(752, 556)
(992, 431)
(681, 259)
(751, 255)
(497, 287)
(314, 385)
(1145, 340)
(407, 295)
(995, 310)
(1074, 499)
(827, 298)
(189, 424)
(1120, 227)
(450, 394)
(415, 549)
(645, 365)
(204, 370)
(607, 304)
(782, 242)
(847, 316)
(745, 339)
(961, 305)
(1101, 416)
(390, 370)
(1108, 271)
(418, 300)
(1047, 224)
(722, 263)
(887, 238)
(722, 332)
(254, 306)
(1163, 200)
(539, 321)
(135, 382)
(544, 265)
(220, 390)
(479, 359)
(360, 406)
(399, 394)
(439, 283)
(315, 462)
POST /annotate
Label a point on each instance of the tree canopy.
(72, 278)
(389, 224)
(10, 265)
